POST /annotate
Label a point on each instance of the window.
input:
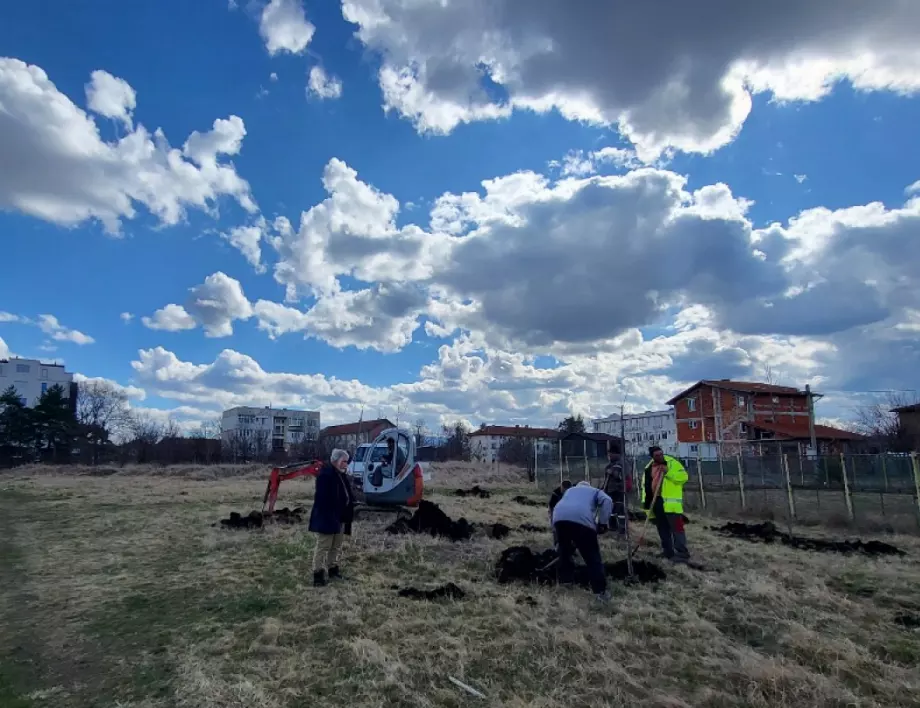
(691, 404)
(740, 400)
(694, 448)
(23, 400)
(664, 435)
(2, 370)
(744, 427)
(22, 368)
(44, 373)
(44, 386)
(694, 424)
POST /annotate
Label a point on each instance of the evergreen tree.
(17, 429)
(55, 425)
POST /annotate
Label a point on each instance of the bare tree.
(883, 427)
(419, 431)
(103, 411)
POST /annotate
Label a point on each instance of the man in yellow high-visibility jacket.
(666, 475)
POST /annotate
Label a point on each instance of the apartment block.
(32, 377)
(269, 428)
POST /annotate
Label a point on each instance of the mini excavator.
(393, 484)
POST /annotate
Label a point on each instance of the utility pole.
(629, 563)
(811, 419)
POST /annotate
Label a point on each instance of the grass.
(118, 591)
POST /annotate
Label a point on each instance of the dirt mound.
(256, 519)
(430, 518)
(908, 621)
(768, 533)
(497, 531)
(520, 563)
(475, 491)
(521, 499)
(533, 528)
(448, 590)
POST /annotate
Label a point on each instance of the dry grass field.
(117, 590)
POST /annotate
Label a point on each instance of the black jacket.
(614, 481)
(555, 497)
(333, 505)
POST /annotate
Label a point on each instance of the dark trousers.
(575, 536)
(671, 532)
(619, 516)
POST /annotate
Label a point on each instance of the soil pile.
(475, 491)
(520, 563)
(768, 533)
(521, 499)
(430, 518)
(448, 591)
(256, 519)
(533, 528)
(497, 531)
(908, 621)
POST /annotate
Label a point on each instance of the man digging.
(663, 499)
(575, 524)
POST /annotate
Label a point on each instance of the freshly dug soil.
(768, 533)
(497, 531)
(429, 518)
(448, 590)
(256, 520)
(521, 499)
(908, 621)
(475, 491)
(520, 563)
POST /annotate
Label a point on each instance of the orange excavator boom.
(280, 474)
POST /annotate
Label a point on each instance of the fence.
(877, 492)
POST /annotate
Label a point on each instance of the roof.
(362, 426)
(912, 408)
(516, 431)
(598, 437)
(740, 386)
(822, 432)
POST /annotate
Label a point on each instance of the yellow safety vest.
(672, 487)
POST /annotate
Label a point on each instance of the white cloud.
(132, 393)
(49, 325)
(273, 76)
(126, 317)
(55, 166)
(680, 78)
(800, 178)
(5, 352)
(9, 317)
(247, 239)
(111, 97)
(172, 318)
(214, 304)
(284, 27)
(323, 86)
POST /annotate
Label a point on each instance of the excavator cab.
(397, 479)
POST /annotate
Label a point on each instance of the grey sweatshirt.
(581, 504)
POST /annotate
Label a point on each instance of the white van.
(358, 464)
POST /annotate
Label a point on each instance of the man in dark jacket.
(553, 500)
(331, 516)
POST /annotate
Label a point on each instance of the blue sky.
(592, 256)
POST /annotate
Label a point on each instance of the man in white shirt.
(578, 518)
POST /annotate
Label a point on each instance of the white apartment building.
(486, 442)
(279, 428)
(642, 430)
(31, 378)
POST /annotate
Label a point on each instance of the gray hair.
(337, 455)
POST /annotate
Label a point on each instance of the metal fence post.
(790, 497)
(885, 471)
(699, 473)
(915, 464)
(741, 482)
(846, 486)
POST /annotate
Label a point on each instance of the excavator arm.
(280, 474)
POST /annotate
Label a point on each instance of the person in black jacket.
(553, 500)
(331, 516)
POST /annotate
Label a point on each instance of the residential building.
(268, 428)
(349, 435)
(31, 378)
(909, 424)
(486, 442)
(642, 430)
(741, 417)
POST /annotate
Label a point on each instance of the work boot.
(334, 573)
(319, 578)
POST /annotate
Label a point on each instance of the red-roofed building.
(349, 435)
(488, 440)
(736, 415)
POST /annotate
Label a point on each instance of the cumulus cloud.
(247, 240)
(49, 325)
(126, 317)
(214, 305)
(322, 85)
(681, 78)
(5, 350)
(284, 27)
(55, 166)
(111, 97)
(132, 393)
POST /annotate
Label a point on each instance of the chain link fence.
(874, 492)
